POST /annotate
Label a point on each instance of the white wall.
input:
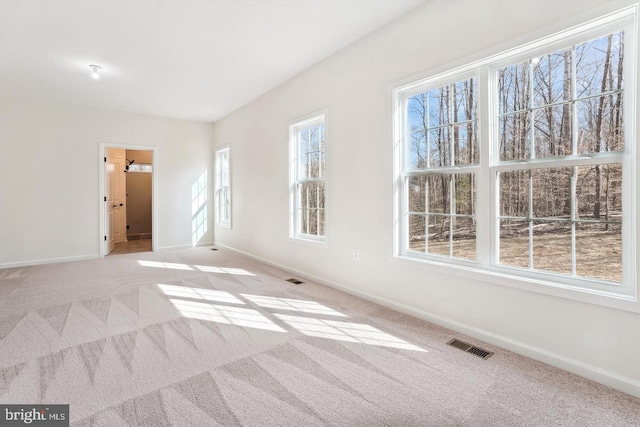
(354, 86)
(49, 172)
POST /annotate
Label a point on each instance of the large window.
(223, 188)
(307, 176)
(543, 187)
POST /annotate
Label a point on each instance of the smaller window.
(307, 150)
(140, 168)
(223, 188)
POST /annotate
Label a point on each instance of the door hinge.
(105, 160)
(105, 198)
(105, 238)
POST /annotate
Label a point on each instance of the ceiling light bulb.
(95, 69)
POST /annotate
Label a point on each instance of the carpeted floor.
(204, 338)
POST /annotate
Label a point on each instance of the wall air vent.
(294, 281)
(476, 351)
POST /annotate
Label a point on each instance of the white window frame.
(295, 181)
(223, 187)
(485, 268)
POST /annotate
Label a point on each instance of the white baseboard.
(187, 246)
(47, 261)
(594, 373)
(167, 248)
(83, 257)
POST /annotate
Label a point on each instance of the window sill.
(625, 301)
(226, 225)
(322, 243)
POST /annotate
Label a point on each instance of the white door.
(115, 192)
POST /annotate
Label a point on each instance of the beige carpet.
(204, 338)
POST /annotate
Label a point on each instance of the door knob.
(121, 204)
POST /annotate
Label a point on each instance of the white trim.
(308, 118)
(633, 162)
(602, 376)
(536, 285)
(303, 239)
(48, 261)
(199, 244)
(188, 246)
(154, 189)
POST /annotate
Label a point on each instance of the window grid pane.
(555, 208)
(441, 215)
(442, 126)
(311, 209)
(442, 132)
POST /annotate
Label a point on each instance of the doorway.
(128, 199)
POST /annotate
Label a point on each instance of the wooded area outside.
(441, 205)
(565, 107)
(310, 186)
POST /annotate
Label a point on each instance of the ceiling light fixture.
(95, 69)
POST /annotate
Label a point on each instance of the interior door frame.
(102, 151)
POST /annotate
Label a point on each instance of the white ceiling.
(196, 60)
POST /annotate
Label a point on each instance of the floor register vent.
(476, 351)
(295, 281)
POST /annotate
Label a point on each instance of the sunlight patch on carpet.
(222, 314)
(224, 270)
(345, 331)
(199, 293)
(311, 307)
(170, 265)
